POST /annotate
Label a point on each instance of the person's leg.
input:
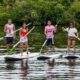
(52, 44)
(11, 39)
(69, 45)
(26, 46)
(7, 43)
(21, 48)
(73, 45)
(47, 44)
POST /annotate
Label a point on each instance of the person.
(49, 32)
(72, 34)
(23, 38)
(9, 29)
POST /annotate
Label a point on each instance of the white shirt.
(9, 30)
(71, 31)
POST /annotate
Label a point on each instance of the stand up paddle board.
(49, 56)
(71, 56)
(16, 57)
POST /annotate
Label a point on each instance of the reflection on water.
(10, 65)
(24, 69)
(33, 69)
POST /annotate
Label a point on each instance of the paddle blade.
(28, 24)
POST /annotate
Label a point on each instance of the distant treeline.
(60, 12)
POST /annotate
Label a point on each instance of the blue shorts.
(50, 41)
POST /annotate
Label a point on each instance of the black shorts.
(49, 42)
(9, 40)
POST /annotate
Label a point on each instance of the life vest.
(23, 32)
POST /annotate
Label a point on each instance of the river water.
(33, 69)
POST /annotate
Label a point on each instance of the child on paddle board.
(9, 29)
(49, 32)
(72, 34)
(23, 37)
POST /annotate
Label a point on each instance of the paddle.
(13, 32)
(43, 45)
(19, 41)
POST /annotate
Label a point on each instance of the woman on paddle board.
(72, 35)
(49, 32)
(9, 29)
(23, 37)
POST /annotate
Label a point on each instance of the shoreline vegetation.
(37, 38)
(60, 12)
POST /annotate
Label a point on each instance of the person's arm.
(55, 29)
(65, 29)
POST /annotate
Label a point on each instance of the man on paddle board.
(23, 38)
(9, 29)
(49, 32)
(72, 34)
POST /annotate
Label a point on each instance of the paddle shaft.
(43, 45)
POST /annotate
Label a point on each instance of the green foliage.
(38, 12)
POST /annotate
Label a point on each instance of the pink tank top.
(50, 30)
